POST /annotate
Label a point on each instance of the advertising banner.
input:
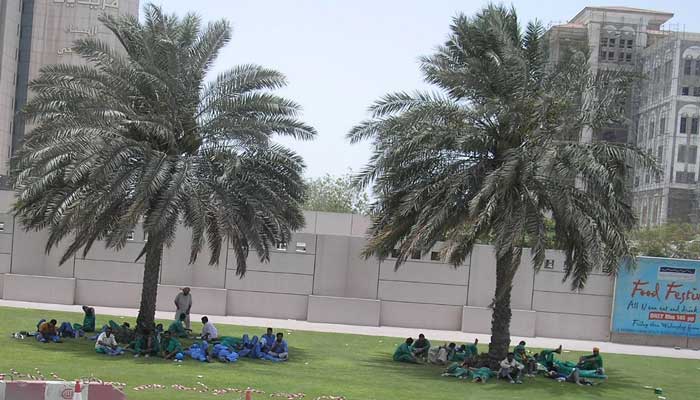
(660, 297)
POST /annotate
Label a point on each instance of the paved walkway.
(433, 335)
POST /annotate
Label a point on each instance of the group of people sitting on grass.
(464, 362)
(208, 346)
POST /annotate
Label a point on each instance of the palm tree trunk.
(149, 289)
(500, 320)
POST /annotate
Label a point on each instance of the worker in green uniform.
(421, 347)
(88, 321)
(146, 344)
(472, 349)
(456, 370)
(481, 375)
(171, 346)
(523, 358)
(404, 353)
(592, 361)
(177, 327)
(546, 357)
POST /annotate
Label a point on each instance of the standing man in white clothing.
(183, 304)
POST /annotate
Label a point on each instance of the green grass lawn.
(354, 366)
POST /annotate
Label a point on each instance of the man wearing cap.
(183, 304)
(591, 362)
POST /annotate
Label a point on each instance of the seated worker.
(421, 347)
(510, 369)
(107, 344)
(546, 357)
(122, 333)
(592, 361)
(209, 331)
(442, 354)
(146, 344)
(466, 351)
(88, 324)
(279, 350)
(172, 350)
(404, 352)
(573, 376)
(249, 347)
(267, 339)
(47, 332)
(177, 327)
(523, 358)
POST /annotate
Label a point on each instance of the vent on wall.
(549, 263)
(301, 247)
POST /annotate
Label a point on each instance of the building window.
(301, 247)
(662, 126)
(281, 246)
(696, 90)
(685, 91)
(685, 177)
(651, 128)
(394, 253)
(2, 227)
(697, 68)
(647, 178)
(434, 256)
(611, 42)
(684, 124)
(636, 181)
(621, 56)
(694, 126)
(660, 154)
(549, 263)
(415, 255)
(603, 42)
(629, 43)
(681, 153)
(603, 55)
(628, 57)
(692, 154)
(611, 55)
(687, 66)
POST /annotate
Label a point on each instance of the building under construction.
(664, 107)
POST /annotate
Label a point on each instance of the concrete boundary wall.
(42, 289)
(319, 275)
(343, 310)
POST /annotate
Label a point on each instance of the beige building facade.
(664, 109)
(35, 33)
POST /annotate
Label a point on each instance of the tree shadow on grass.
(421, 372)
(86, 348)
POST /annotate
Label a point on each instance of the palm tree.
(139, 135)
(495, 154)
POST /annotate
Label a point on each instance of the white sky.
(340, 56)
